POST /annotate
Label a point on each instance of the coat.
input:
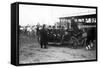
(43, 35)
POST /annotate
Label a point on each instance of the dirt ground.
(30, 52)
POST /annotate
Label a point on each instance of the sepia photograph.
(49, 33)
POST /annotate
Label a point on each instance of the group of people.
(42, 34)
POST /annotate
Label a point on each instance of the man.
(43, 37)
(37, 33)
(74, 26)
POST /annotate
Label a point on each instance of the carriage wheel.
(74, 42)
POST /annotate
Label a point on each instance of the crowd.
(60, 34)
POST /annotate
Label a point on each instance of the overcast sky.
(33, 14)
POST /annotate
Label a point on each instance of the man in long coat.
(43, 37)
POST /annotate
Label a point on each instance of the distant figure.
(43, 37)
(74, 26)
(37, 33)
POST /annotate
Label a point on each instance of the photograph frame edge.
(15, 32)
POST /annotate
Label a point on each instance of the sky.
(33, 14)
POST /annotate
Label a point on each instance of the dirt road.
(30, 52)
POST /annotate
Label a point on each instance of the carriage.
(61, 36)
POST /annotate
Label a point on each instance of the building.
(86, 21)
